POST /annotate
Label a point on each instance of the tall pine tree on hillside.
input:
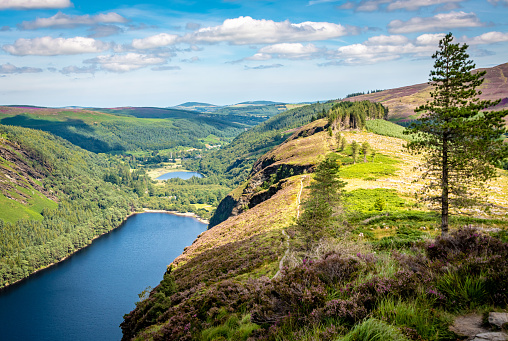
(324, 201)
(459, 141)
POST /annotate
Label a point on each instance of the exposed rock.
(499, 320)
(468, 326)
(491, 337)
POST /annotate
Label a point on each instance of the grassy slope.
(19, 200)
(402, 101)
(240, 239)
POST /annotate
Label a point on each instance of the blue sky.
(163, 53)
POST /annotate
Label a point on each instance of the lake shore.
(145, 210)
(183, 214)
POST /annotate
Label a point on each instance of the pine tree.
(365, 150)
(355, 147)
(459, 141)
(324, 200)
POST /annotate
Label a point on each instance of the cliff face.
(269, 171)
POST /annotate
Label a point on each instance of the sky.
(97, 53)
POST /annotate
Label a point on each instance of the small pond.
(181, 175)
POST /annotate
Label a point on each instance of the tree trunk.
(444, 187)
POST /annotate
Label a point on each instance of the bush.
(374, 330)
(427, 322)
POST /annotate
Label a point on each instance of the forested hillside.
(234, 161)
(63, 192)
(123, 130)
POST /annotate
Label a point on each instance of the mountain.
(254, 275)
(402, 102)
(257, 103)
(197, 106)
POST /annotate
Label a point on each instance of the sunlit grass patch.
(379, 167)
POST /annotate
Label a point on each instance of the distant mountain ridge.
(402, 101)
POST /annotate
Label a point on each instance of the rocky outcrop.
(17, 171)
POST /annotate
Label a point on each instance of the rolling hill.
(402, 102)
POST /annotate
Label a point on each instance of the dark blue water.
(86, 296)
(181, 175)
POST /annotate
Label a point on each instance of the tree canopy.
(459, 139)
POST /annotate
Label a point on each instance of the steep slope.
(22, 195)
(54, 200)
(402, 102)
(228, 284)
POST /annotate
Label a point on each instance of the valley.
(263, 269)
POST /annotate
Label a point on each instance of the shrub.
(334, 269)
(427, 322)
(462, 290)
(374, 330)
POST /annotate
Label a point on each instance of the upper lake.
(86, 296)
(181, 175)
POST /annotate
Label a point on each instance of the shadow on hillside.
(75, 131)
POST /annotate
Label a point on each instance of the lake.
(86, 296)
(181, 175)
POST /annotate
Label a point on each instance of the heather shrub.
(373, 330)
(292, 296)
(474, 266)
(334, 269)
(464, 243)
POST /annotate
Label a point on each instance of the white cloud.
(437, 22)
(166, 68)
(429, 39)
(76, 69)
(413, 5)
(259, 56)
(246, 30)
(385, 48)
(63, 20)
(263, 67)
(100, 31)
(159, 40)
(290, 50)
(48, 46)
(126, 62)
(387, 40)
(487, 38)
(34, 4)
(11, 69)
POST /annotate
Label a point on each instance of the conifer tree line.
(353, 115)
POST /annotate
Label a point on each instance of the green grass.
(429, 323)
(13, 210)
(375, 200)
(382, 166)
(386, 128)
(233, 329)
(374, 330)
